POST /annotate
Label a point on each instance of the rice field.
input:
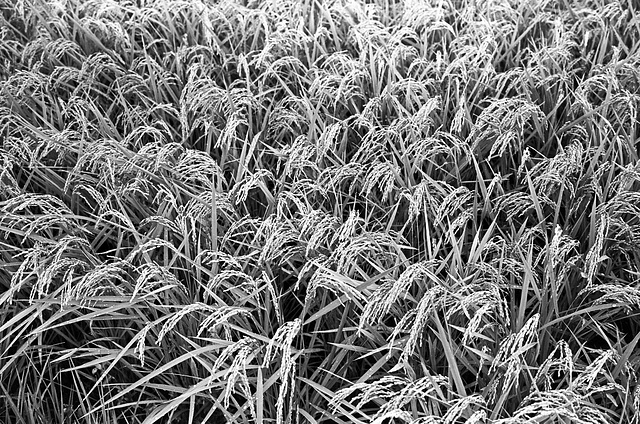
(319, 211)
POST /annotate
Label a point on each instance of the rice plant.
(319, 211)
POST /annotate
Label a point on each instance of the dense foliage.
(319, 211)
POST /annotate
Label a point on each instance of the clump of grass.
(319, 211)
